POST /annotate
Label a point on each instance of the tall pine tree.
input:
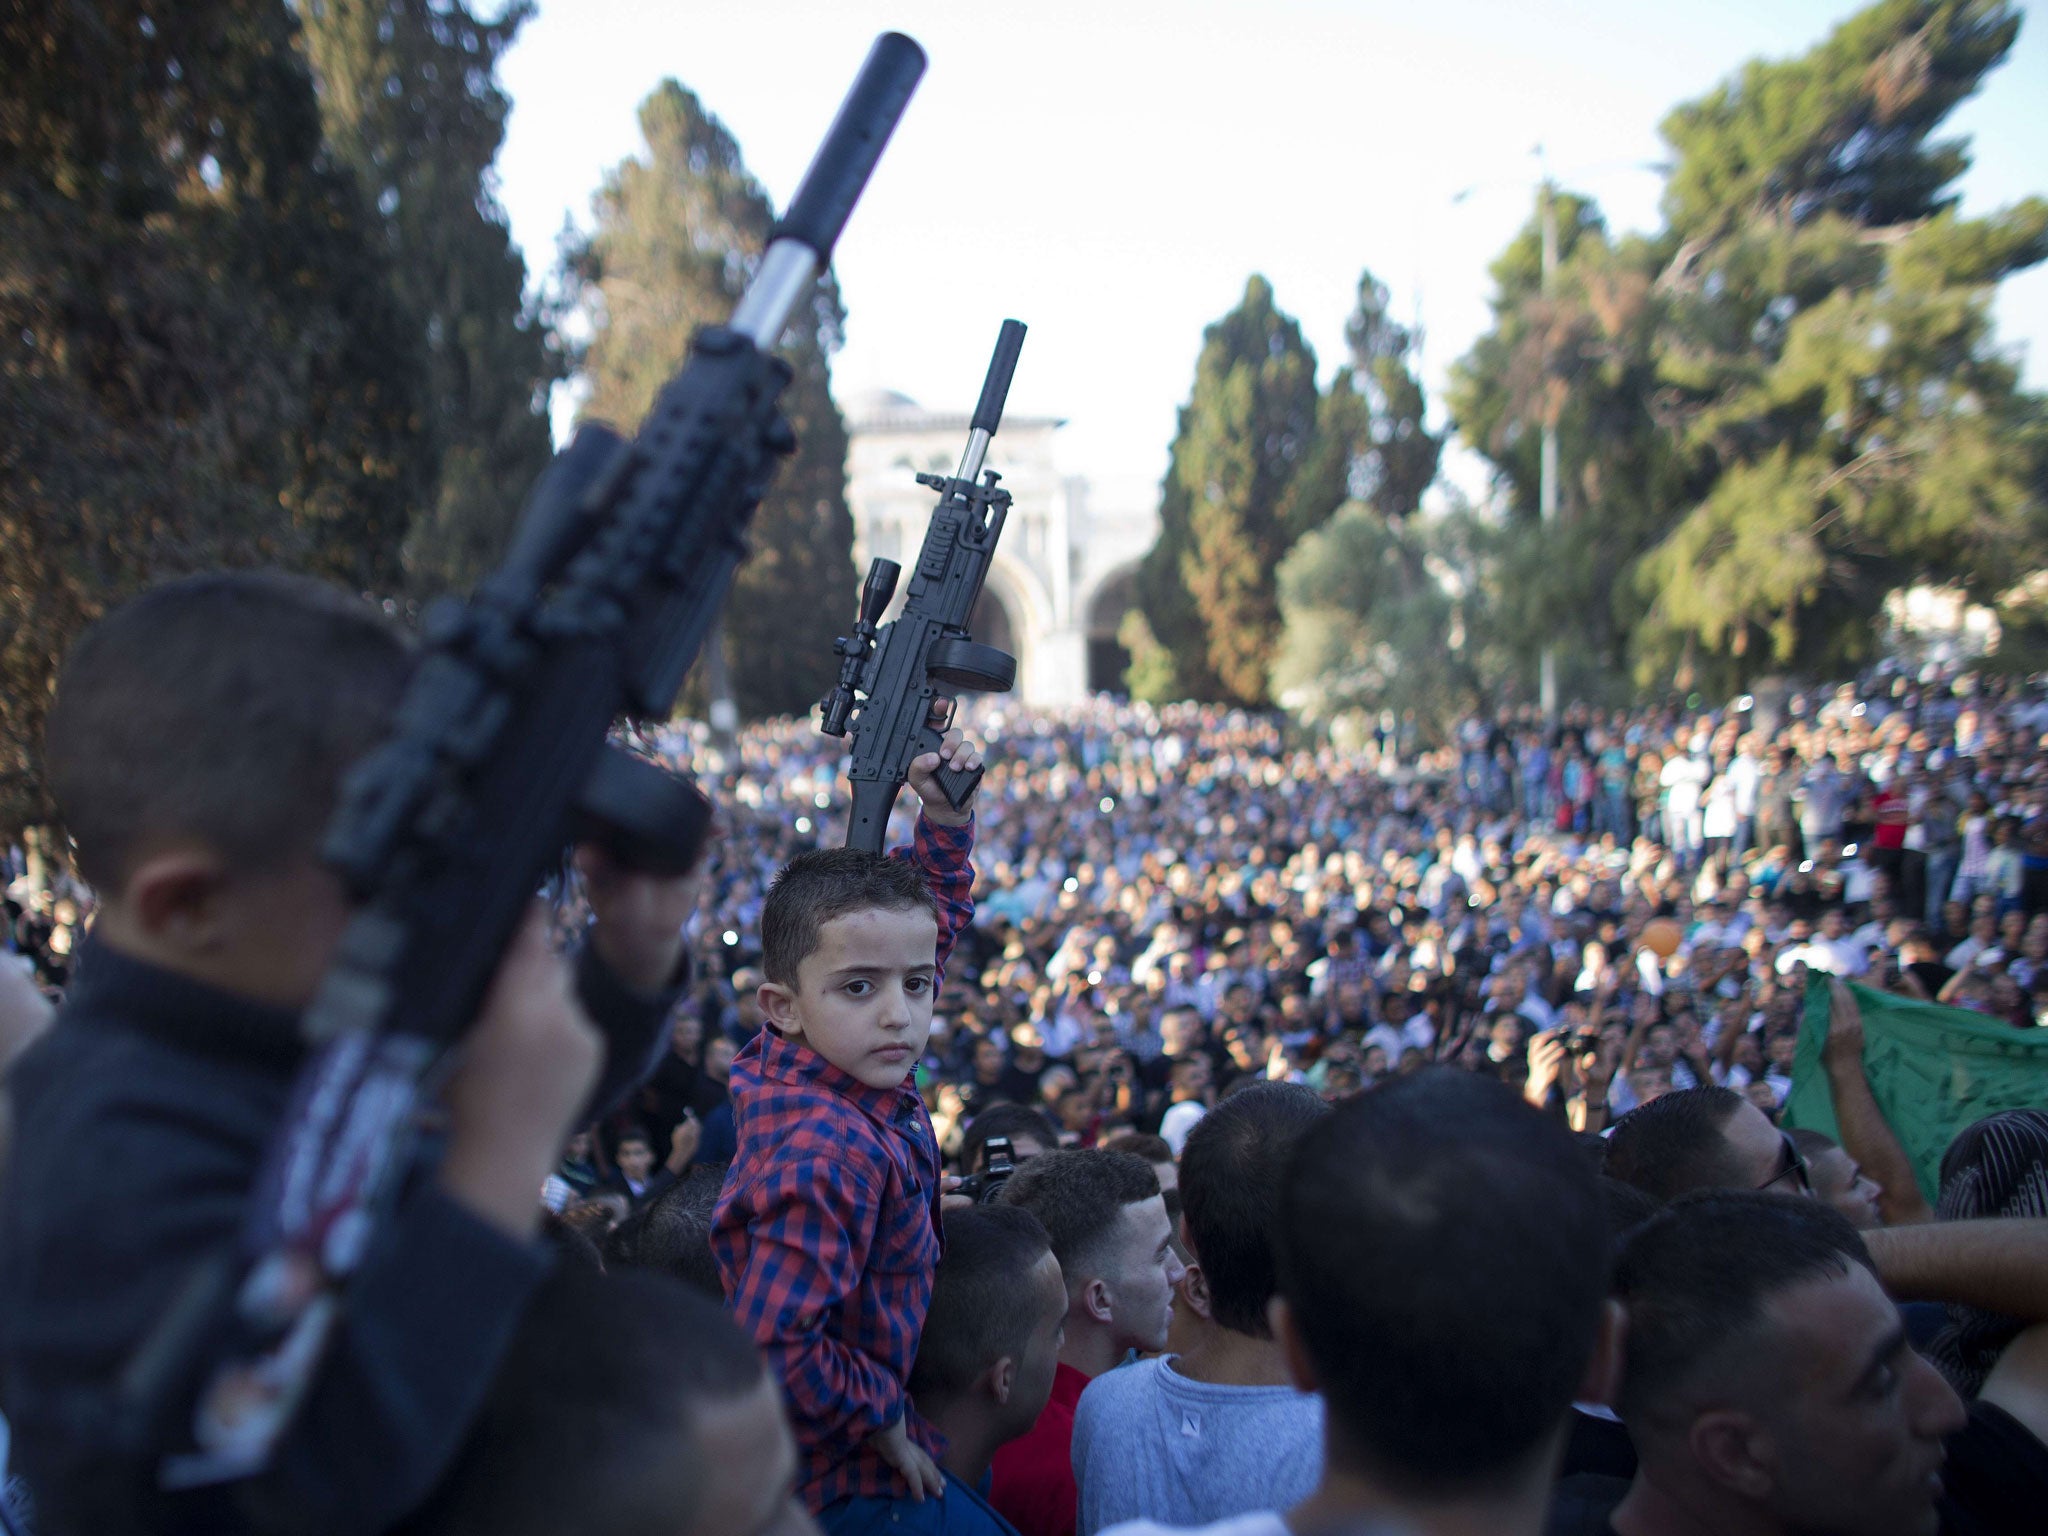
(1585, 359)
(201, 358)
(1233, 502)
(1827, 354)
(671, 250)
(410, 98)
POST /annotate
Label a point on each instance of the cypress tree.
(674, 238)
(1230, 506)
(411, 102)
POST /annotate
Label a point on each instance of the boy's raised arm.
(944, 840)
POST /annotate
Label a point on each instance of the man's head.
(1029, 1131)
(1703, 1138)
(672, 1234)
(195, 750)
(1107, 1222)
(1443, 1258)
(849, 944)
(1838, 1180)
(992, 1336)
(635, 1156)
(1189, 1077)
(1768, 1372)
(1232, 1170)
(628, 1405)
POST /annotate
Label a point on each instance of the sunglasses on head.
(1793, 1167)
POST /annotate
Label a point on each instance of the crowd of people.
(1173, 901)
(1296, 1138)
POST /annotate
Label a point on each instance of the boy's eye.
(917, 984)
(859, 988)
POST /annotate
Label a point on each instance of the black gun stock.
(899, 682)
(496, 761)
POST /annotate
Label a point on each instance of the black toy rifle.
(909, 671)
(496, 762)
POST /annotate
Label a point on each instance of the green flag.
(1932, 1070)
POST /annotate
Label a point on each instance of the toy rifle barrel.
(800, 244)
(995, 392)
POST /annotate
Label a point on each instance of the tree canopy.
(203, 359)
(1234, 500)
(675, 234)
(411, 103)
(1788, 403)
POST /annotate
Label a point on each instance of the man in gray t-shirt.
(1218, 1429)
(1149, 1441)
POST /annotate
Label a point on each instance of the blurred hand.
(955, 751)
(526, 1067)
(1596, 1072)
(906, 1457)
(1845, 1024)
(1546, 1062)
(683, 1142)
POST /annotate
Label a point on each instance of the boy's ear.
(778, 1006)
(176, 897)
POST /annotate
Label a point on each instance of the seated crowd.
(1197, 1133)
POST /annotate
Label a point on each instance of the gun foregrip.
(958, 784)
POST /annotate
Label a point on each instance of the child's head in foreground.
(195, 749)
(849, 945)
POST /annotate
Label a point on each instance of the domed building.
(1060, 582)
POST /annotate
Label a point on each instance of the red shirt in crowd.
(1034, 1487)
(1891, 808)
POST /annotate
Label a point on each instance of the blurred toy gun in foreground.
(496, 762)
(908, 672)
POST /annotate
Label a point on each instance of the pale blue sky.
(1110, 172)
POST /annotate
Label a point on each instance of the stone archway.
(991, 624)
(1108, 661)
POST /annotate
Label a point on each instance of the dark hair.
(1079, 1197)
(671, 1234)
(1627, 1208)
(1697, 1276)
(825, 883)
(1151, 1148)
(1443, 1250)
(571, 1244)
(1230, 1176)
(588, 1426)
(980, 1309)
(1012, 1120)
(222, 707)
(1812, 1144)
(1676, 1144)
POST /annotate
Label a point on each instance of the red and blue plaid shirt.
(827, 1231)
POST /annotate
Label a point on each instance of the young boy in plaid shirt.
(827, 1231)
